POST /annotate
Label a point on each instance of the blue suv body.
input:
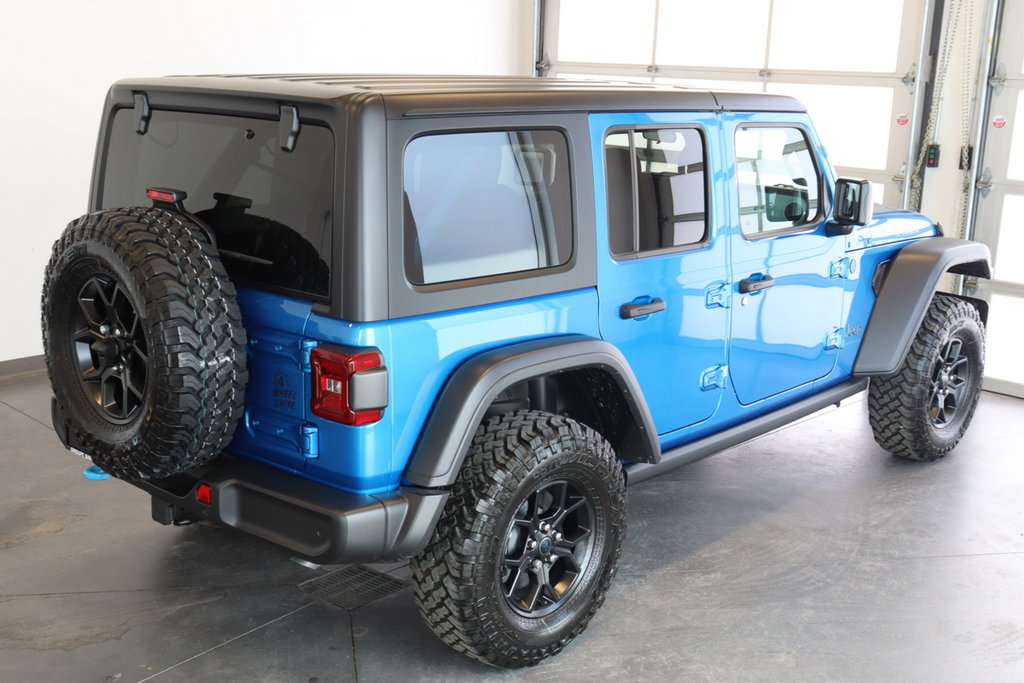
(465, 306)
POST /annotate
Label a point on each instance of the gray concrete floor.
(808, 554)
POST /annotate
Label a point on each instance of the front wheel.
(527, 546)
(922, 411)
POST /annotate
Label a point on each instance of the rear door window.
(657, 191)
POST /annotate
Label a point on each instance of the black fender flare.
(473, 386)
(909, 286)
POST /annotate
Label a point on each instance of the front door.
(661, 267)
(788, 275)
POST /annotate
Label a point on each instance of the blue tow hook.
(94, 473)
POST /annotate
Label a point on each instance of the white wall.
(60, 56)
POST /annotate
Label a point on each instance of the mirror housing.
(853, 205)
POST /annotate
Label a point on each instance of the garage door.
(999, 220)
(803, 48)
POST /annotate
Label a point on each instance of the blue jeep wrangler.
(448, 319)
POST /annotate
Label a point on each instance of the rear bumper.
(319, 523)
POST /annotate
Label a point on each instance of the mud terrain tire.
(922, 411)
(144, 342)
(528, 543)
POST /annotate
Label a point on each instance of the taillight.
(204, 494)
(349, 385)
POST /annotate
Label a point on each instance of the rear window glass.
(270, 209)
(486, 203)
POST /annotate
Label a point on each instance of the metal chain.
(952, 27)
(967, 7)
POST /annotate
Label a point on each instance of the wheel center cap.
(108, 351)
(546, 545)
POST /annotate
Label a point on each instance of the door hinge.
(717, 296)
(998, 79)
(302, 437)
(842, 268)
(984, 182)
(306, 347)
(714, 378)
(309, 441)
(910, 78)
(836, 339)
(901, 177)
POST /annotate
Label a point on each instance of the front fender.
(903, 300)
(473, 386)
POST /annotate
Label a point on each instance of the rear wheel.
(528, 543)
(922, 411)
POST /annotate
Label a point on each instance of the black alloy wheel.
(111, 349)
(547, 548)
(951, 379)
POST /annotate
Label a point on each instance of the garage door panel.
(795, 23)
(852, 81)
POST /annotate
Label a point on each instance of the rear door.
(661, 266)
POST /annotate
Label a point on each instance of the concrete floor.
(806, 555)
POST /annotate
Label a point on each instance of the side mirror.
(786, 204)
(853, 205)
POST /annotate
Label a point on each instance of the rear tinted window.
(270, 209)
(486, 203)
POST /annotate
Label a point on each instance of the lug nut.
(558, 535)
(536, 564)
(532, 544)
(104, 329)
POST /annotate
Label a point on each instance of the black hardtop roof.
(427, 95)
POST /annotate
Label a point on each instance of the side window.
(657, 190)
(486, 203)
(779, 184)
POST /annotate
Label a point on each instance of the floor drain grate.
(352, 586)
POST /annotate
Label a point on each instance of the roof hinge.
(144, 112)
(288, 131)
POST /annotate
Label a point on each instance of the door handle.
(747, 286)
(627, 311)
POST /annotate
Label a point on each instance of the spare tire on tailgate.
(144, 342)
